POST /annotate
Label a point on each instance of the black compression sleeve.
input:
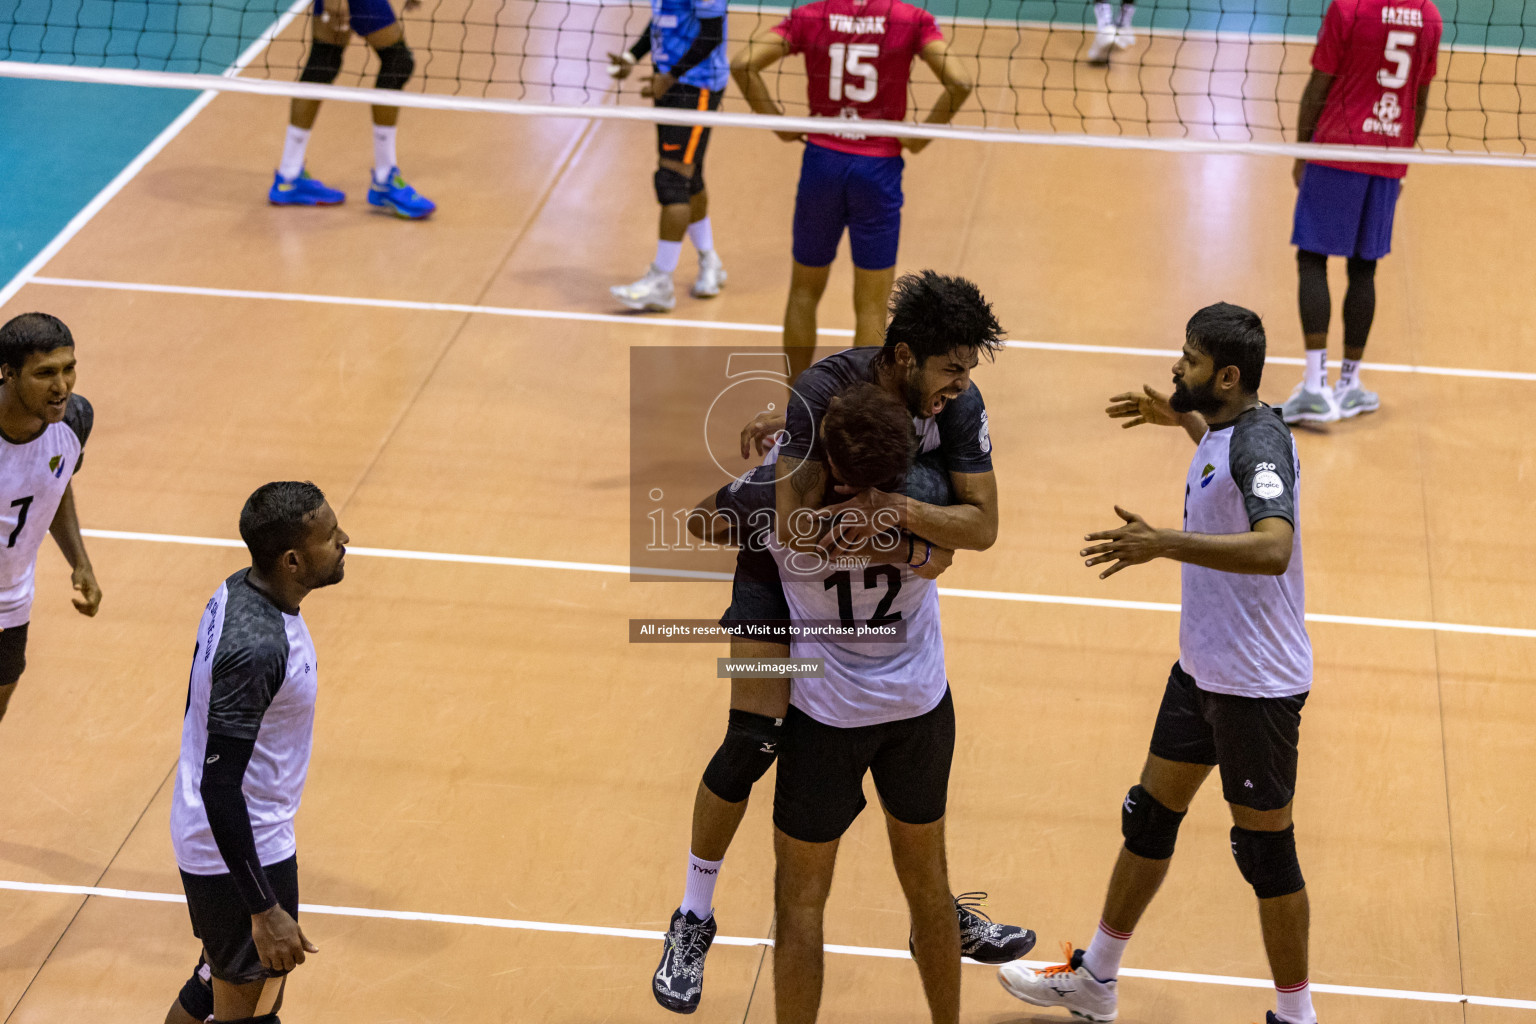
(224, 765)
(643, 44)
(711, 34)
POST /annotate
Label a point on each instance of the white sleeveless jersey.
(33, 476)
(865, 683)
(254, 677)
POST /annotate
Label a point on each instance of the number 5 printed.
(852, 59)
(1400, 53)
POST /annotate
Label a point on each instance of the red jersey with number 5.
(858, 60)
(1379, 53)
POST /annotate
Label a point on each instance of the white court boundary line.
(148, 153)
(665, 115)
(985, 595)
(512, 924)
(717, 325)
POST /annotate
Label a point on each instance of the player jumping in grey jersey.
(245, 748)
(1235, 696)
(43, 429)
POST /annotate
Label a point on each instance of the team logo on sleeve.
(1266, 482)
(1207, 474)
(983, 437)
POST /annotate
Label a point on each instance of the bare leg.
(871, 296)
(918, 853)
(806, 286)
(1136, 879)
(1286, 920)
(698, 209)
(302, 113)
(387, 36)
(802, 879)
(237, 1002)
(715, 820)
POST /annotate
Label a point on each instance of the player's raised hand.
(761, 433)
(280, 944)
(84, 580)
(336, 14)
(620, 65)
(658, 86)
(411, 5)
(1131, 544)
(1148, 407)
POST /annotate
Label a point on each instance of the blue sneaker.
(303, 191)
(399, 198)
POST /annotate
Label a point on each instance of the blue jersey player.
(686, 41)
(333, 23)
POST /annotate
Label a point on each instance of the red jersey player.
(858, 60)
(1370, 81)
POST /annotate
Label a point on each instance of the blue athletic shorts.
(1345, 213)
(853, 191)
(367, 16)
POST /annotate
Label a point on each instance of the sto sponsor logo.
(1266, 482)
(1385, 117)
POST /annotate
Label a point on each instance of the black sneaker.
(982, 939)
(1270, 1018)
(679, 980)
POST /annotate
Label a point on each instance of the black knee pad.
(324, 63)
(750, 745)
(270, 1018)
(1361, 270)
(671, 187)
(1150, 829)
(197, 994)
(696, 183)
(396, 62)
(1268, 861)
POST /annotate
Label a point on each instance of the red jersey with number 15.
(1379, 53)
(858, 60)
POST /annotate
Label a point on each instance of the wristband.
(911, 548)
(927, 555)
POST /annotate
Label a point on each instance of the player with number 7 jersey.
(858, 61)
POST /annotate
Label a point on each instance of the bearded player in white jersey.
(882, 706)
(43, 429)
(245, 743)
(1234, 698)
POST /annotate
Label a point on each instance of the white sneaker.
(1355, 400)
(1306, 406)
(651, 294)
(1103, 42)
(1067, 985)
(711, 276)
(1125, 38)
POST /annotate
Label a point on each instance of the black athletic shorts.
(681, 141)
(1253, 739)
(220, 920)
(13, 653)
(820, 787)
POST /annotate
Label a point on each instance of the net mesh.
(1226, 70)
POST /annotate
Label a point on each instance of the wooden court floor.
(491, 752)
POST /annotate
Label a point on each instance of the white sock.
(1349, 376)
(1127, 12)
(702, 235)
(667, 255)
(1102, 957)
(1104, 14)
(383, 152)
(1317, 369)
(293, 153)
(699, 893)
(1294, 1004)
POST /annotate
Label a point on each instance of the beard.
(1202, 400)
(330, 579)
(912, 394)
